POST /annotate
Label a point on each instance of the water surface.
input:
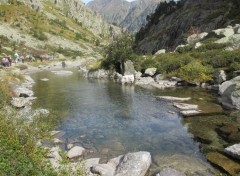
(110, 119)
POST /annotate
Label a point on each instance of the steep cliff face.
(171, 23)
(130, 15)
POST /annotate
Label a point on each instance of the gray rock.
(175, 79)
(69, 146)
(162, 51)
(220, 77)
(237, 29)
(75, 152)
(184, 106)
(197, 45)
(134, 164)
(23, 92)
(129, 68)
(98, 74)
(103, 169)
(234, 39)
(150, 71)
(159, 77)
(233, 150)
(20, 102)
(144, 81)
(192, 39)
(164, 84)
(137, 75)
(225, 32)
(230, 92)
(170, 172)
(169, 98)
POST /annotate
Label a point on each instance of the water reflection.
(110, 119)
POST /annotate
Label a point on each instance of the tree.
(118, 52)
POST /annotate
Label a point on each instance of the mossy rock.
(224, 163)
(228, 129)
(234, 137)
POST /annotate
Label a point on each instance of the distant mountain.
(130, 15)
(172, 22)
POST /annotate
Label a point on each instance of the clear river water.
(109, 119)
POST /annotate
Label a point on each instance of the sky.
(86, 1)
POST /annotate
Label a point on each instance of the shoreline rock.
(170, 98)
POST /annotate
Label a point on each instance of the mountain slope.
(170, 25)
(54, 24)
(130, 15)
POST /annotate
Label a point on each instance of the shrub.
(4, 93)
(195, 72)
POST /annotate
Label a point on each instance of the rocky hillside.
(56, 25)
(173, 22)
(130, 15)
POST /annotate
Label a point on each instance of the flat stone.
(189, 113)
(44, 79)
(169, 98)
(184, 106)
(224, 162)
(57, 141)
(144, 81)
(62, 72)
(233, 151)
(75, 152)
(170, 172)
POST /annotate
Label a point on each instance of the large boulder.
(75, 152)
(134, 164)
(234, 39)
(150, 71)
(128, 68)
(130, 164)
(237, 29)
(233, 150)
(226, 32)
(170, 172)
(230, 92)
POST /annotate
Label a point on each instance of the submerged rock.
(169, 98)
(44, 79)
(62, 72)
(189, 113)
(234, 151)
(184, 106)
(170, 172)
(224, 162)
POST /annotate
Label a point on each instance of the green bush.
(195, 72)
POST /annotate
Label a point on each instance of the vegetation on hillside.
(189, 63)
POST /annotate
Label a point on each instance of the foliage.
(69, 52)
(39, 35)
(195, 71)
(118, 52)
(4, 93)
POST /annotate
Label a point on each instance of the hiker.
(22, 59)
(9, 60)
(5, 62)
(16, 57)
(63, 64)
